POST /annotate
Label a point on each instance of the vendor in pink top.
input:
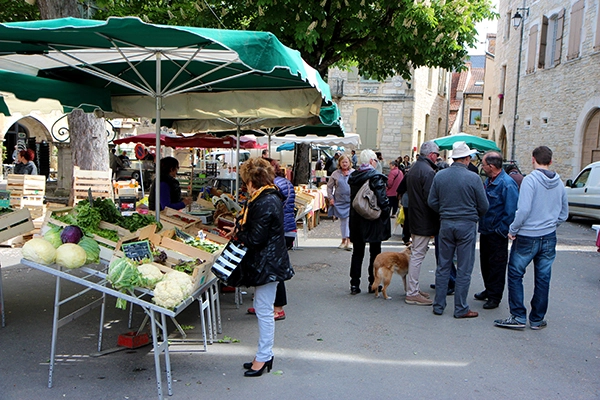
(394, 178)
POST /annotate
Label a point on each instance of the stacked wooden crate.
(28, 191)
(99, 182)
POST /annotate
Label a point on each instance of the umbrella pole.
(157, 168)
(191, 177)
(237, 167)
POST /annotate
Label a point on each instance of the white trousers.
(264, 297)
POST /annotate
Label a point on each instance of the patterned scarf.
(254, 196)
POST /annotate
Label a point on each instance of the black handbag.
(227, 266)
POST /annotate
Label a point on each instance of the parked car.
(133, 172)
(583, 193)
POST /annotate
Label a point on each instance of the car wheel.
(135, 175)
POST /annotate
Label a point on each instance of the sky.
(483, 28)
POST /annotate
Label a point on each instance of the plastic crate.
(4, 198)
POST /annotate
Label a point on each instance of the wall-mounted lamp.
(518, 17)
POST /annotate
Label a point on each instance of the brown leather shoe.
(470, 314)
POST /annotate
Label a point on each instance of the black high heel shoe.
(252, 372)
(249, 365)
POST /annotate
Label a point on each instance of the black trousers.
(393, 204)
(280, 294)
(358, 254)
(406, 227)
(493, 257)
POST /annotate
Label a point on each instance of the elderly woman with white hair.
(362, 230)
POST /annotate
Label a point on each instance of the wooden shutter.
(597, 39)
(367, 126)
(531, 49)
(575, 30)
(543, 40)
(560, 26)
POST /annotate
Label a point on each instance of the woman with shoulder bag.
(362, 230)
(266, 262)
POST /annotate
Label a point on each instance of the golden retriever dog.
(385, 265)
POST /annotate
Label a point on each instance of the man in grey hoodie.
(542, 206)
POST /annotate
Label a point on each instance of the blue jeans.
(542, 251)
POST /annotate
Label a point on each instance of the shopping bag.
(400, 217)
(227, 266)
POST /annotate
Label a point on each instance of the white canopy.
(351, 140)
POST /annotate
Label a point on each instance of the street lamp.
(518, 17)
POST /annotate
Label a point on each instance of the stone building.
(466, 112)
(548, 82)
(395, 116)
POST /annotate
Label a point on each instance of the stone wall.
(553, 103)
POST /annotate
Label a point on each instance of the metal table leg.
(163, 319)
(54, 331)
(1, 298)
(157, 350)
(215, 304)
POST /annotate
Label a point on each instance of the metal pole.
(158, 109)
(515, 116)
(237, 167)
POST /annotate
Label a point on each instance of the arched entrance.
(590, 151)
(29, 133)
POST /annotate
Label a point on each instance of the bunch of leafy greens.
(109, 213)
(124, 276)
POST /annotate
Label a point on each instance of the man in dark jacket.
(363, 231)
(424, 221)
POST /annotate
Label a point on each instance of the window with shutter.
(531, 49)
(575, 29)
(367, 126)
(560, 25)
(353, 74)
(597, 39)
(543, 41)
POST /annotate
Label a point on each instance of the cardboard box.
(169, 242)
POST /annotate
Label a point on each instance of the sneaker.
(418, 300)
(538, 325)
(510, 323)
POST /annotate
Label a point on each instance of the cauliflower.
(71, 255)
(40, 251)
(151, 274)
(173, 289)
(183, 279)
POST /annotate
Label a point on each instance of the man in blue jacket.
(502, 193)
(541, 208)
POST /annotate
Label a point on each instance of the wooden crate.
(99, 182)
(15, 224)
(28, 191)
(168, 242)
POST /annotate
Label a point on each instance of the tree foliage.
(12, 10)
(382, 37)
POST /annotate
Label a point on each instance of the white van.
(227, 156)
(583, 193)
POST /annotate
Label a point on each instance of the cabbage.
(71, 234)
(92, 249)
(53, 236)
(124, 275)
(71, 256)
(40, 251)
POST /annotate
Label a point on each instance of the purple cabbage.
(71, 234)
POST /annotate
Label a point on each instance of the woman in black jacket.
(266, 262)
(363, 231)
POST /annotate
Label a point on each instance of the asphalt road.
(330, 346)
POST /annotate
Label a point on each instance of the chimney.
(491, 39)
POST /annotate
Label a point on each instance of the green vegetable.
(40, 251)
(92, 250)
(206, 245)
(88, 218)
(124, 276)
(70, 255)
(53, 236)
(187, 266)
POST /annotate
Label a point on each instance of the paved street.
(331, 346)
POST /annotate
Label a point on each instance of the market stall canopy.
(23, 93)
(349, 140)
(204, 73)
(474, 142)
(195, 141)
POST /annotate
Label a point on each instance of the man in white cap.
(459, 197)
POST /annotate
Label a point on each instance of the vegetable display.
(71, 234)
(124, 276)
(40, 251)
(91, 248)
(53, 236)
(151, 274)
(70, 255)
(173, 289)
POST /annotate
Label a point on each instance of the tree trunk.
(89, 142)
(302, 164)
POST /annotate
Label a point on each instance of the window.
(442, 82)
(353, 74)
(507, 26)
(367, 126)
(531, 49)
(474, 116)
(575, 30)
(582, 179)
(551, 40)
(502, 89)
(430, 78)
